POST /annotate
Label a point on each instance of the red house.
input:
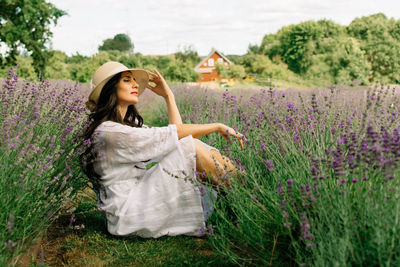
(207, 66)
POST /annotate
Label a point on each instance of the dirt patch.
(53, 241)
(31, 255)
(59, 247)
(200, 243)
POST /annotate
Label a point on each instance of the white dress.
(163, 200)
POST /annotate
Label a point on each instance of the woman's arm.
(197, 130)
(173, 113)
(161, 88)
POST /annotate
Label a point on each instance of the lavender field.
(322, 183)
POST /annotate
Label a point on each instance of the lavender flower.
(280, 189)
(270, 165)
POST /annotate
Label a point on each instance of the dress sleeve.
(130, 144)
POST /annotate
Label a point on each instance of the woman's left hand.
(161, 87)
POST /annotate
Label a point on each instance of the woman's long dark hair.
(105, 110)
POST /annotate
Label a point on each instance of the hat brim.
(141, 76)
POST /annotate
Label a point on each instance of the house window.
(211, 62)
(219, 61)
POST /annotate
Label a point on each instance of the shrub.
(38, 157)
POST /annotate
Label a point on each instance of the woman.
(164, 199)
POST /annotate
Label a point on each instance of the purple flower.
(87, 142)
(72, 219)
(201, 189)
(270, 164)
(280, 189)
(306, 235)
(202, 230)
(262, 146)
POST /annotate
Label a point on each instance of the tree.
(188, 54)
(120, 42)
(234, 71)
(180, 71)
(255, 49)
(56, 67)
(379, 38)
(25, 25)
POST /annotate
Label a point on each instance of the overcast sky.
(166, 26)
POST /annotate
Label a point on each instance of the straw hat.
(106, 71)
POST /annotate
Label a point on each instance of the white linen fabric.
(163, 200)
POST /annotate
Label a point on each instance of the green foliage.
(25, 68)
(365, 51)
(253, 48)
(348, 62)
(83, 71)
(57, 68)
(151, 62)
(81, 68)
(261, 66)
(379, 38)
(298, 44)
(26, 24)
(77, 58)
(188, 55)
(310, 53)
(120, 42)
(233, 71)
(130, 60)
(304, 48)
(222, 70)
(236, 71)
(181, 71)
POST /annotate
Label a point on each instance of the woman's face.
(128, 89)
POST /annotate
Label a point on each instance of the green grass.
(94, 246)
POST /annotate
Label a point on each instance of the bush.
(38, 158)
(181, 71)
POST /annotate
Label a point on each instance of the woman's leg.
(213, 164)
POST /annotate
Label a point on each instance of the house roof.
(213, 50)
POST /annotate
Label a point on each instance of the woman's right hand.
(161, 87)
(227, 131)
